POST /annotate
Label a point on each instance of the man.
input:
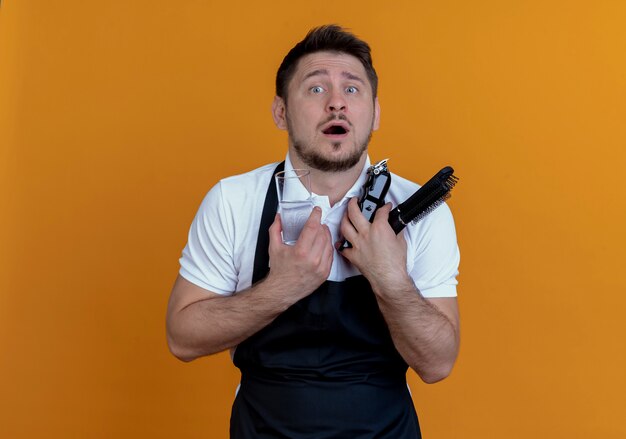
(322, 338)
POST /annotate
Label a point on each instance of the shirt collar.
(354, 191)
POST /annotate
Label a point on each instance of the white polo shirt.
(219, 255)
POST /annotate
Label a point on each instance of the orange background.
(116, 117)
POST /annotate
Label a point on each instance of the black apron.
(325, 368)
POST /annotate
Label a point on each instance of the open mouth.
(335, 130)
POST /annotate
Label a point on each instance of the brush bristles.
(444, 189)
(430, 208)
(450, 182)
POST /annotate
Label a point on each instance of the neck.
(334, 185)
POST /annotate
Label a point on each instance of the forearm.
(427, 339)
(201, 323)
(425, 332)
(218, 323)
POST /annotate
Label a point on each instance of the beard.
(316, 160)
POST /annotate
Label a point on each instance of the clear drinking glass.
(294, 202)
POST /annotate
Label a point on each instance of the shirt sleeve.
(207, 260)
(436, 257)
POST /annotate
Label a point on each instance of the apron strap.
(261, 254)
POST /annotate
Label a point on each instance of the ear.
(279, 112)
(376, 123)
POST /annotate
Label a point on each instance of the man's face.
(330, 111)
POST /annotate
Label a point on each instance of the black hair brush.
(426, 199)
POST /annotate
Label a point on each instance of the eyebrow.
(324, 72)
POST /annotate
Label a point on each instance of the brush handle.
(395, 221)
(426, 198)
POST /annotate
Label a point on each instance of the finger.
(338, 245)
(382, 214)
(346, 252)
(348, 231)
(329, 252)
(310, 229)
(381, 221)
(329, 236)
(275, 230)
(322, 249)
(356, 217)
(347, 228)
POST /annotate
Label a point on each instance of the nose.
(336, 102)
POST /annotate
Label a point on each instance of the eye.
(317, 89)
(352, 89)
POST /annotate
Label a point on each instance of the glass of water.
(294, 202)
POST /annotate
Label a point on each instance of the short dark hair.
(331, 38)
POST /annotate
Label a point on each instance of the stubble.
(316, 160)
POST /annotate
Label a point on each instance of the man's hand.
(378, 253)
(424, 331)
(298, 270)
(201, 322)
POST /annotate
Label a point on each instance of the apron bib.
(325, 368)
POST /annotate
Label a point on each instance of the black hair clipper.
(374, 192)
